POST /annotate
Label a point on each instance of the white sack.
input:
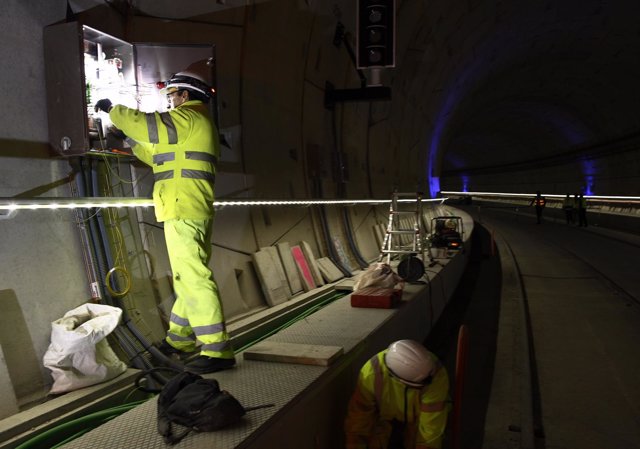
(377, 275)
(79, 354)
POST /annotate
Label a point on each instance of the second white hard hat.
(410, 362)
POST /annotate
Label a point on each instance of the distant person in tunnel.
(401, 400)
(582, 210)
(567, 207)
(182, 147)
(539, 202)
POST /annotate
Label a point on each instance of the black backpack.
(197, 404)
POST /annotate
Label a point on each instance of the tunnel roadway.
(566, 362)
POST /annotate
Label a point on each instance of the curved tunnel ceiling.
(530, 80)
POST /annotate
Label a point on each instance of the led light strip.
(547, 195)
(12, 204)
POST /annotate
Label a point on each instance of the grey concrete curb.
(509, 421)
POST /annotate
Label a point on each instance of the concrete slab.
(328, 269)
(9, 403)
(304, 271)
(313, 265)
(274, 291)
(290, 268)
(277, 264)
(343, 257)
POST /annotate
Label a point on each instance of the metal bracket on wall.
(373, 93)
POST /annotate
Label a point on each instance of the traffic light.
(376, 33)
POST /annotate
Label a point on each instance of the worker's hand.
(104, 105)
(118, 133)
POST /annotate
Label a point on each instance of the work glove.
(117, 132)
(104, 105)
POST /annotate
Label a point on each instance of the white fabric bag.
(377, 275)
(79, 354)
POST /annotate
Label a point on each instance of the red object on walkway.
(376, 297)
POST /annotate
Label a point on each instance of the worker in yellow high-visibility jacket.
(182, 147)
(402, 394)
(539, 202)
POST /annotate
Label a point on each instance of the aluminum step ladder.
(405, 231)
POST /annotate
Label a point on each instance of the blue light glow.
(588, 190)
(589, 171)
(465, 183)
(434, 186)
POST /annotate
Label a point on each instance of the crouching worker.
(401, 400)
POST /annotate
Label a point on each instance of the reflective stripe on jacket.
(182, 147)
(380, 398)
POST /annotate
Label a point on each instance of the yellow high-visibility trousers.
(197, 314)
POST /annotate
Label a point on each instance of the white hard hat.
(188, 80)
(410, 362)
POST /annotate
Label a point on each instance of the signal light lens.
(375, 16)
(375, 36)
(375, 56)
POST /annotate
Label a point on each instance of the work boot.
(173, 353)
(204, 365)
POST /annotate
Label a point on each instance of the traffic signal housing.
(376, 34)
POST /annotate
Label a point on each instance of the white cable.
(548, 195)
(12, 204)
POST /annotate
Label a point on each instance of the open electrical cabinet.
(84, 65)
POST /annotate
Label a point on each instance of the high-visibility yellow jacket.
(182, 147)
(381, 398)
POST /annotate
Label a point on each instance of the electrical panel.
(84, 65)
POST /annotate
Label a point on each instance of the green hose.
(68, 431)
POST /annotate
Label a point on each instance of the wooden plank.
(345, 285)
(271, 351)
